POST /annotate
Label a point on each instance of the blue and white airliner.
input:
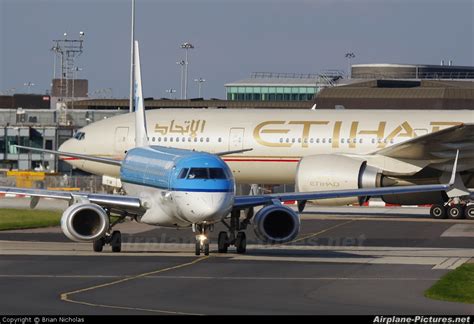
(179, 188)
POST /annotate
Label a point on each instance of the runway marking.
(216, 278)
(288, 278)
(451, 263)
(66, 296)
(320, 232)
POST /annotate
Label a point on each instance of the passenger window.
(183, 173)
(220, 139)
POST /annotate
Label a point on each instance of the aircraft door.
(236, 139)
(120, 139)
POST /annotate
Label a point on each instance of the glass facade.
(271, 93)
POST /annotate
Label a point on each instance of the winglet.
(141, 135)
(455, 166)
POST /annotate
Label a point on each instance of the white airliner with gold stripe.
(316, 149)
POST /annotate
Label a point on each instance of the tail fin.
(141, 135)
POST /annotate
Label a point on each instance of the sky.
(232, 39)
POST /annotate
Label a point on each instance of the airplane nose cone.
(207, 206)
(68, 146)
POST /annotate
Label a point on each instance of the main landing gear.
(113, 238)
(236, 236)
(453, 209)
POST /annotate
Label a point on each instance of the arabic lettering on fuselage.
(188, 127)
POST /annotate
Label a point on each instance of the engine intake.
(84, 222)
(276, 224)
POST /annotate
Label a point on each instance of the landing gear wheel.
(222, 244)
(241, 242)
(98, 245)
(438, 212)
(197, 248)
(206, 248)
(116, 241)
(455, 212)
(469, 212)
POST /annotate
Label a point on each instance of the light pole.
(349, 56)
(181, 64)
(170, 91)
(74, 76)
(186, 46)
(29, 85)
(199, 82)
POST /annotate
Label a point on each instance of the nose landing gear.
(202, 240)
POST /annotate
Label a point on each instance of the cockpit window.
(217, 173)
(198, 173)
(183, 173)
(206, 173)
(79, 136)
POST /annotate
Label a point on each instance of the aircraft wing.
(117, 202)
(258, 200)
(437, 147)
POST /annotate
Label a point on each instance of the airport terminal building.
(46, 121)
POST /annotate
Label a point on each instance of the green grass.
(457, 285)
(19, 218)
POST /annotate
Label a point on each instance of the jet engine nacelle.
(84, 222)
(335, 172)
(276, 224)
